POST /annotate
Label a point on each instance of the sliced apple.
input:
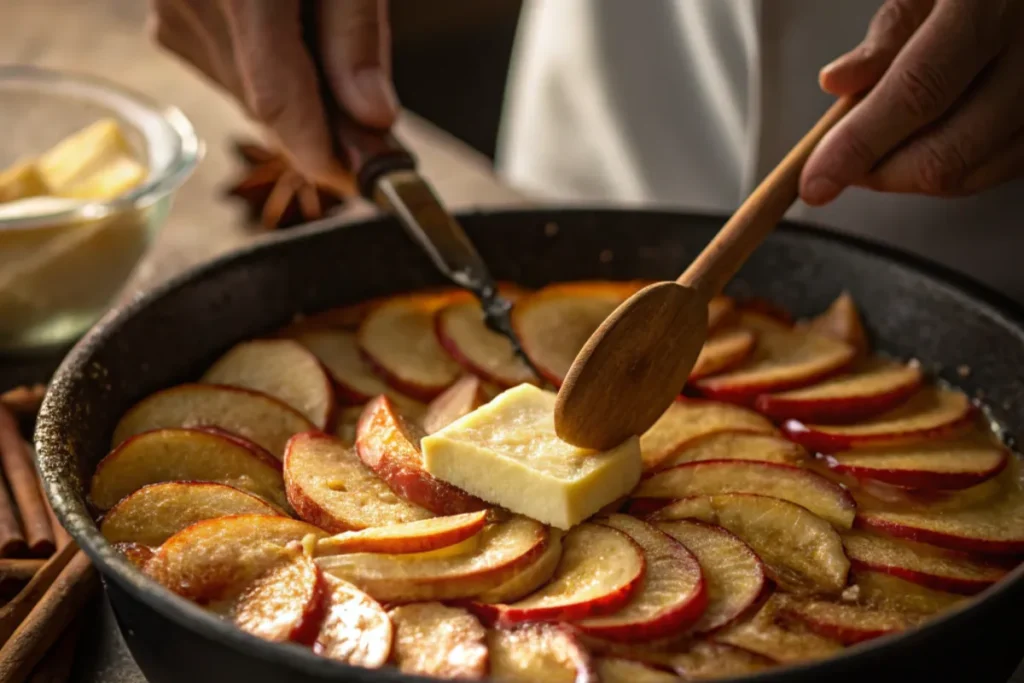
(411, 537)
(841, 321)
(329, 486)
(873, 387)
(737, 446)
(284, 605)
(136, 553)
(280, 368)
(505, 549)
(941, 465)
(708, 660)
(186, 455)
(711, 477)
(347, 423)
(723, 351)
(555, 322)
(218, 559)
(688, 419)
(889, 592)
(397, 338)
(766, 308)
(531, 578)
(257, 417)
(355, 628)
(672, 595)
(461, 330)
(432, 639)
(847, 623)
(783, 359)
(338, 350)
(931, 413)
(390, 446)
(618, 670)
(733, 574)
(600, 570)
(785, 642)
(721, 310)
(458, 400)
(539, 652)
(156, 512)
(801, 551)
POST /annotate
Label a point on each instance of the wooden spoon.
(636, 363)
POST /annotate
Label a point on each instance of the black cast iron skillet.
(912, 309)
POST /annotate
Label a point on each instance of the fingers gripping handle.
(369, 153)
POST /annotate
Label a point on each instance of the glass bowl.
(61, 269)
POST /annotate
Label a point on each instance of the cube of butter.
(506, 452)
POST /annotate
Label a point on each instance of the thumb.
(355, 50)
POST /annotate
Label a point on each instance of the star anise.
(277, 195)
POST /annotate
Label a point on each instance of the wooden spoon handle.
(760, 213)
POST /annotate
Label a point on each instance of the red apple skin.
(304, 631)
(834, 410)
(847, 634)
(385, 443)
(453, 350)
(746, 395)
(643, 507)
(948, 584)
(410, 389)
(824, 442)
(922, 480)
(965, 544)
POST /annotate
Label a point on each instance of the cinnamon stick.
(16, 460)
(24, 401)
(56, 668)
(20, 571)
(19, 608)
(12, 540)
(61, 537)
(48, 619)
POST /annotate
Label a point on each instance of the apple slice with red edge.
(284, 605)
(355, 628)
(841, 321)
(329, 486)
(784, 642)
(539, 652)
(458, 400)
(397, 339)
(721, 310)
(737, 446)
(797, 485)
(766, 308)
(922, 564)
(672, 594)
(186, 455)
(801, 551)
(847, 623)
(432, 639)
(409, 537)
(888, 592)
(600, 569)
(723, 351)
(783, 359)
(156, 512)
(339, 352)
(505, 548)
(461, 330)
(939, 465)
(262, 419)
(733, 573)
(619, 670)
(931, 413)
(389, 445)
(688, 419)
(708, 660)
(137, 554)
(532, 577)
(873, 387)
(347, 423)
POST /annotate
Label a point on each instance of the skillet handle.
(370, 153)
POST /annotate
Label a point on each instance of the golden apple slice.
(257, 417)
(672, 595)
(539, 652)
(281, 368)
(355, 628)
(284, 605)
(847, 623)
(156, 512)
(932, 413)
(889, 592)
(461, 330)
(872, 387)
(329, 486)
(783, 359)
(711, 477)
(707, 660)
(600, 570)
(338, 350)
(434, 640)
(801, 551)
(926, 565)
(531, 578)
(390, 446)
(721, 309)
(737, 446)
(722, 351)
(186, 455)
(733, 574)
(688, 419)
(785, 643)
(409, 537)
(618, 670)
(458, 400)
(505, 549)
(137, 554)
(841, 321)
(397, 338)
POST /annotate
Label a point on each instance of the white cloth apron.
(688, 103)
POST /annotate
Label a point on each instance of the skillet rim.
(50, 433)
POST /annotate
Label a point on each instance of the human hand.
(946, 113)
(259, 52)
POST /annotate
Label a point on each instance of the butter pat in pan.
(507, 453)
